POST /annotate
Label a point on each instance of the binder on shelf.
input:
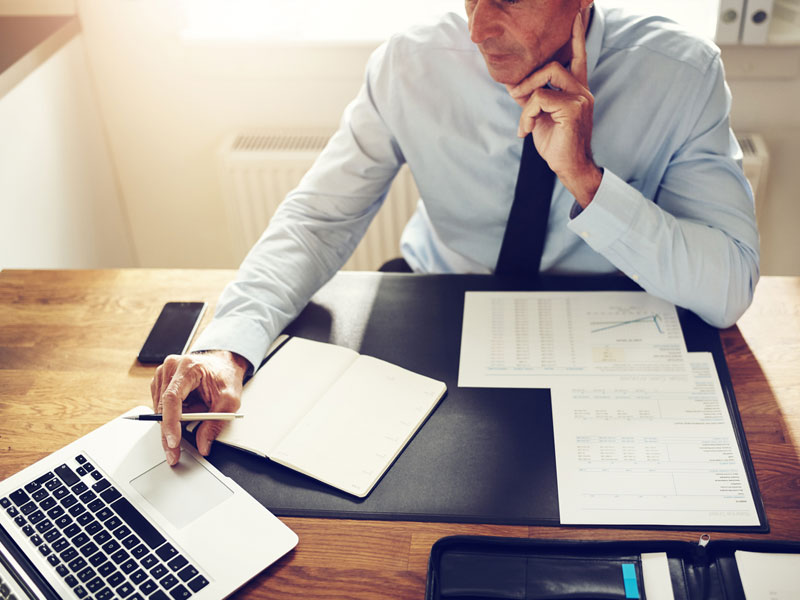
(756, 21)
(729, 21)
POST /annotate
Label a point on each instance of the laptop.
(107, 517)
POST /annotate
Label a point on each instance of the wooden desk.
(68, 342)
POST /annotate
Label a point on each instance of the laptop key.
(106, 569)
(125, 590)
(166, 551)
(86, 518)
(120, 556)
(95, 584)
(139, 551)
(111, 546)
(102, 536)
(60, 544)
(93, 527)
(104, 513)
(80, 459)
(27, 508)
(159, 595)
(70, 580)
(53, 560)
(179, 593)
(169, 581)
(52, 535)
(178, 563)
(121, 532)
(86, 574)
(113, 523)
(60, 492)
(72, 530)
(35, 517)
(63, 571)
(53, 484)
(55, 511)
(80, 539)
(147, 586)
(198, 583)
(35, 540)
(68, 500)
(48, 503)
(97, 475)
(101, 485)
(19, 497)
(32, 486)
(5, 502)
(115, 579)
(44, 526)
(130, 541)
(40, 495)
(158, 571)
(104, 594)
(97, 559)
(76, 564)
(80, 592)
(77, 510)
(188, 573)
(67, 475)
(89, 549)
(68, 554)
(87, 496)
(45, 549)
(12, 511)
(138, 576)
(128, 566)
(20, 521)
(27, 530)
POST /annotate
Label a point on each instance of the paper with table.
(641, 428)
(331, 413)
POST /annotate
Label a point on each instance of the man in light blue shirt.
(630, 113)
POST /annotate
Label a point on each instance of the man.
(630, 114)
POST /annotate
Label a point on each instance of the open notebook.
(331, 413)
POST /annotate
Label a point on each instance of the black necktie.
(523, 241)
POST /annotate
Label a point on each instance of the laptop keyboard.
(96, 540)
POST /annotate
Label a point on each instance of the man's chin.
(504, 70)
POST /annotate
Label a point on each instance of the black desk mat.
(484, 455)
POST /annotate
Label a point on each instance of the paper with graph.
(537, 339)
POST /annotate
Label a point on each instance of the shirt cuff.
(235, 334)
(610, 214)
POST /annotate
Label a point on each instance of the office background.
(110, 146)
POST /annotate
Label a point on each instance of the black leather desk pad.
(484, 455)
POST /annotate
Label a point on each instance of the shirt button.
(635, 277)
(585, 235)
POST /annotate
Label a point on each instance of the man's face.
(516, 37)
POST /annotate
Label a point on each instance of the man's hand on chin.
(557, 109)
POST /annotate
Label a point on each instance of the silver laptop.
(107, 517)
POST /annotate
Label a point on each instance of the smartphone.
(172, 331)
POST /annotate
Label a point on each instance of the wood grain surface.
(68, 345)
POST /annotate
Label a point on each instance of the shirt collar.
(594, 39)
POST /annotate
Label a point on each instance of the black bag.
(497, 568)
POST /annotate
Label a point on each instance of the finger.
(552, 73)
(560, 107)
(578, 65)
(184, 380)
(208, 431)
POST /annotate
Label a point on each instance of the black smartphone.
(172, 331)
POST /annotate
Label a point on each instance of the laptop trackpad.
(183, 492)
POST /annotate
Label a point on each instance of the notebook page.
(283, 391)
(352, 435)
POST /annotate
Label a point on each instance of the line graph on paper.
(655, 319)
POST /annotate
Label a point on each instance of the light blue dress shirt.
(673, 212)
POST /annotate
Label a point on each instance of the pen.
(202, 416)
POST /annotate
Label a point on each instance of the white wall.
(169, 102)
(60, 203)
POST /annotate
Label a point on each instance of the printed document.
(536, 339)
(641, 450)
(769, 576)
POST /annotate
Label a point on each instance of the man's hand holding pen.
(217, 378)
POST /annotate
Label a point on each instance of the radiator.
(259, 168)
